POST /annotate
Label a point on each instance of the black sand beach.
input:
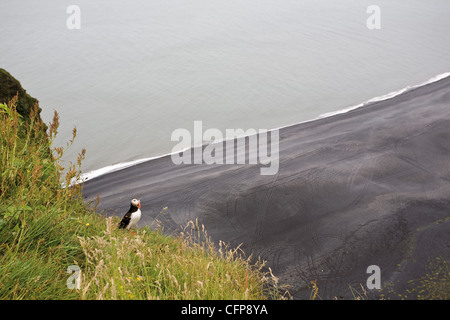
(367, 187)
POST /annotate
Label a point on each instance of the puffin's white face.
(136, 203)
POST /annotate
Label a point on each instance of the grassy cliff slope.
(55, 246)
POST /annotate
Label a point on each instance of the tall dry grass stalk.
(36, 231)
(149, 265)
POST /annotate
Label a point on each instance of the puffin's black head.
(136, 203)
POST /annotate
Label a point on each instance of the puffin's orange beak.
(139, 204)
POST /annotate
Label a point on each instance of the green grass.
(433, 285)
(45, 228)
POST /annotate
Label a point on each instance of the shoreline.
(123, 165)
(369, 186)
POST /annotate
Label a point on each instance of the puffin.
(132, 216)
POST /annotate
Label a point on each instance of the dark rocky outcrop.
(9, 87)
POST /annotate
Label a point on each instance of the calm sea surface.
(137, 70)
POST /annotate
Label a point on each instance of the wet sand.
(366, 187)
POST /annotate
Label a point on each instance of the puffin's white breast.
(135, 217)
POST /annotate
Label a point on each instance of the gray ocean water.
(137, 70)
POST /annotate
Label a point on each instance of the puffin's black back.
(126, 218)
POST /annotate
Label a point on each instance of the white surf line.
(119, 166)
(375, 99)
(111, 168)
(387, 96)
